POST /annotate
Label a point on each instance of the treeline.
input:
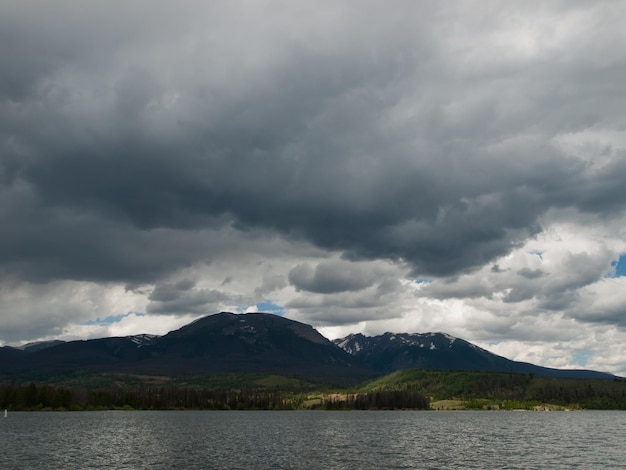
(28, 397)
(499, 386)
(590, 394)
(381, 400)
(32, 397)
(408, 389)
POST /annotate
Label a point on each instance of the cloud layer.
(176, 159)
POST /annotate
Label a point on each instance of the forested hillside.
(408, 389)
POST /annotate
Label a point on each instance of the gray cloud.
(338, 292)
(531, 273)
(139, 140)
(332, 277)
(269, 284)
(184, 299)
(368, 144)
(170, 292)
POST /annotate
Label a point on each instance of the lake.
(313, 440)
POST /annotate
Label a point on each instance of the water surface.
(313, 440)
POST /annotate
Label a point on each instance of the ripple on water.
(313, 439)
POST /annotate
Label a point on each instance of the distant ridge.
(216, 344)
(392, 352)
(39, 345)
(227, 343)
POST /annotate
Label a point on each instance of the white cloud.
(47, 310)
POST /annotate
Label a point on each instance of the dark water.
(314, 440)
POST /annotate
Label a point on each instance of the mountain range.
(392, 352)
(227, 343)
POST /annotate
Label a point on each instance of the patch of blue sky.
(267, 306)
(111, 319)
(538, 253)
(423, 281)
(580, 358)
(618, 268)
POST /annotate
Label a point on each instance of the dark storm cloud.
(182, 297)
(44, 243)
(362, 135)
(328, 278)
(170, 292)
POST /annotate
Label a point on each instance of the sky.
(453, 166)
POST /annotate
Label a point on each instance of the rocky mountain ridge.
(391, 352)
(227, 343)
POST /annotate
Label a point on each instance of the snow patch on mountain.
(143, 339)
(450, 338)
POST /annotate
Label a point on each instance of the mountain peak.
(392, 341)
(254, 324)
(227, 343)
(392, 352)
